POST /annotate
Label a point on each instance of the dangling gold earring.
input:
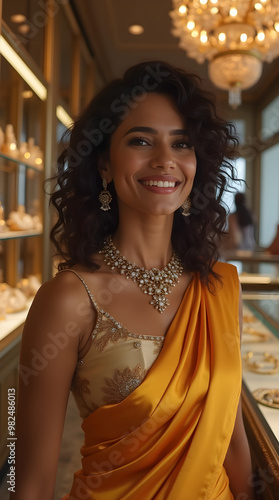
(105, 197)
(185, 207)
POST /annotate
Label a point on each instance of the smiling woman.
(150, 155)
(197, 131)
(144, 319)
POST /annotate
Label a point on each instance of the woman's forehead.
(153, 110)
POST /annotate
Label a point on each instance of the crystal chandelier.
(235, 36)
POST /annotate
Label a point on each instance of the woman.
(152, 357)
(241, 226)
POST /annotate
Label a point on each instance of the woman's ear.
(104, 169)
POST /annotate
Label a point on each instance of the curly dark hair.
(82, 227)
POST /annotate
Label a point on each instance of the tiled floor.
(69, 460)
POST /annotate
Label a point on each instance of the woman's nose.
(162, 158)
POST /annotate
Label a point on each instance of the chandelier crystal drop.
(235, 36)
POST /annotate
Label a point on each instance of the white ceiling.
(105, 24)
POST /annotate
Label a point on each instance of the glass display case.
(260, 355)
(258, 270)
(36, 87)
(20, 246)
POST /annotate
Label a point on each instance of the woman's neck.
(145, 240)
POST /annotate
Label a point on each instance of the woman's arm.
(49, 352)
(238, 460)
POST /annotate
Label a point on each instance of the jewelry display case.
(260, 395)
(20, 238)
(258, 270)
(20, 263)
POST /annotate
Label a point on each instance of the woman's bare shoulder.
(63, 289)
(60, 300)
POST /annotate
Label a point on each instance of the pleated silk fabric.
(168, 439)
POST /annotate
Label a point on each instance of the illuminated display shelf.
(20, 161)
(11, 235)
(13, 321)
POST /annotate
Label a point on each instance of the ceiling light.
(235, 37)
(63, 116)
(19, 65)
(136, 29)
(27, 94)
(24, 28)
(18, 18)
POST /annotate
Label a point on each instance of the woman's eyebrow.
(141, 129)
(178, 131)
(151, 130)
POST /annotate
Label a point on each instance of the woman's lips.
(165, 184)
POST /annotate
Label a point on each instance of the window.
(269, 210)
(235, 186)
(270, 119)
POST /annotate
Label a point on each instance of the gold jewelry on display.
(249, 318)
(156, 282)
(260, 336)
(262, 366)
(105, 197)
(267, 397)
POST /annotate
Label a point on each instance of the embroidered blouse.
(115, 364)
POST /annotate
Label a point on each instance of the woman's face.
(151, 161)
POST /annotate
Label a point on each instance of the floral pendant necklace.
(156, 282)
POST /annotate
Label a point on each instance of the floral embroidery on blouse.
(111, 332)
(122, 383)
(157, 347)
(79, 388)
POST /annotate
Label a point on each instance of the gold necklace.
(156, 282)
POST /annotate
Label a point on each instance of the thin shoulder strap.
(85, 286)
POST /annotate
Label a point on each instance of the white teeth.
(164, 184)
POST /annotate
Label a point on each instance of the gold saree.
(168, 439)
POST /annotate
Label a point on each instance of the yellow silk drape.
(169, 437)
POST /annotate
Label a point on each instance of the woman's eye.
(182, 145)
(138, 141)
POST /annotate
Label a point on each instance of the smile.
(165, 184)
